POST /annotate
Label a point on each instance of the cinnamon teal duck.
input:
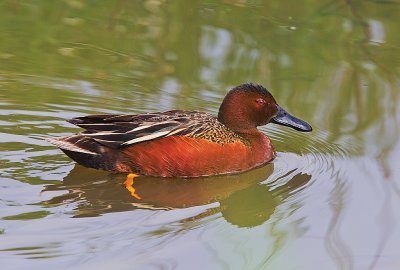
(181, 143)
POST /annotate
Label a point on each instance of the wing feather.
(118, 131)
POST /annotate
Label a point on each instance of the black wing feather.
(117, 131)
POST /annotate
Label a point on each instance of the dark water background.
(329, 201)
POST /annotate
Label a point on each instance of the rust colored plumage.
(191, 157)
(182, 143)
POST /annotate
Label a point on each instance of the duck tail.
(90, 153)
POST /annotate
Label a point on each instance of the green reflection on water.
(28, 216)
(332, 63)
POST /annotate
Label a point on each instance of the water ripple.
(318, 147)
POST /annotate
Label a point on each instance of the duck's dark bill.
(285, 119)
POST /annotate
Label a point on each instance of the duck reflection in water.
(243, 201)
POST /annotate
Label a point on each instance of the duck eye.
(260, 101)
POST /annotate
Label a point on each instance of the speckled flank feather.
(206, 126)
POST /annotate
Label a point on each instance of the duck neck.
(234, 121)
(262, 148)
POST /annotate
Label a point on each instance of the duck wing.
(117, 131)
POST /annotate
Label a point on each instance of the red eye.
(260, 101)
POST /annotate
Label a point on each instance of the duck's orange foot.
(129, 185)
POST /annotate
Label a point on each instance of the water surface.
(328, 201)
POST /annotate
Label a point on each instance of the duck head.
(250, 105)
